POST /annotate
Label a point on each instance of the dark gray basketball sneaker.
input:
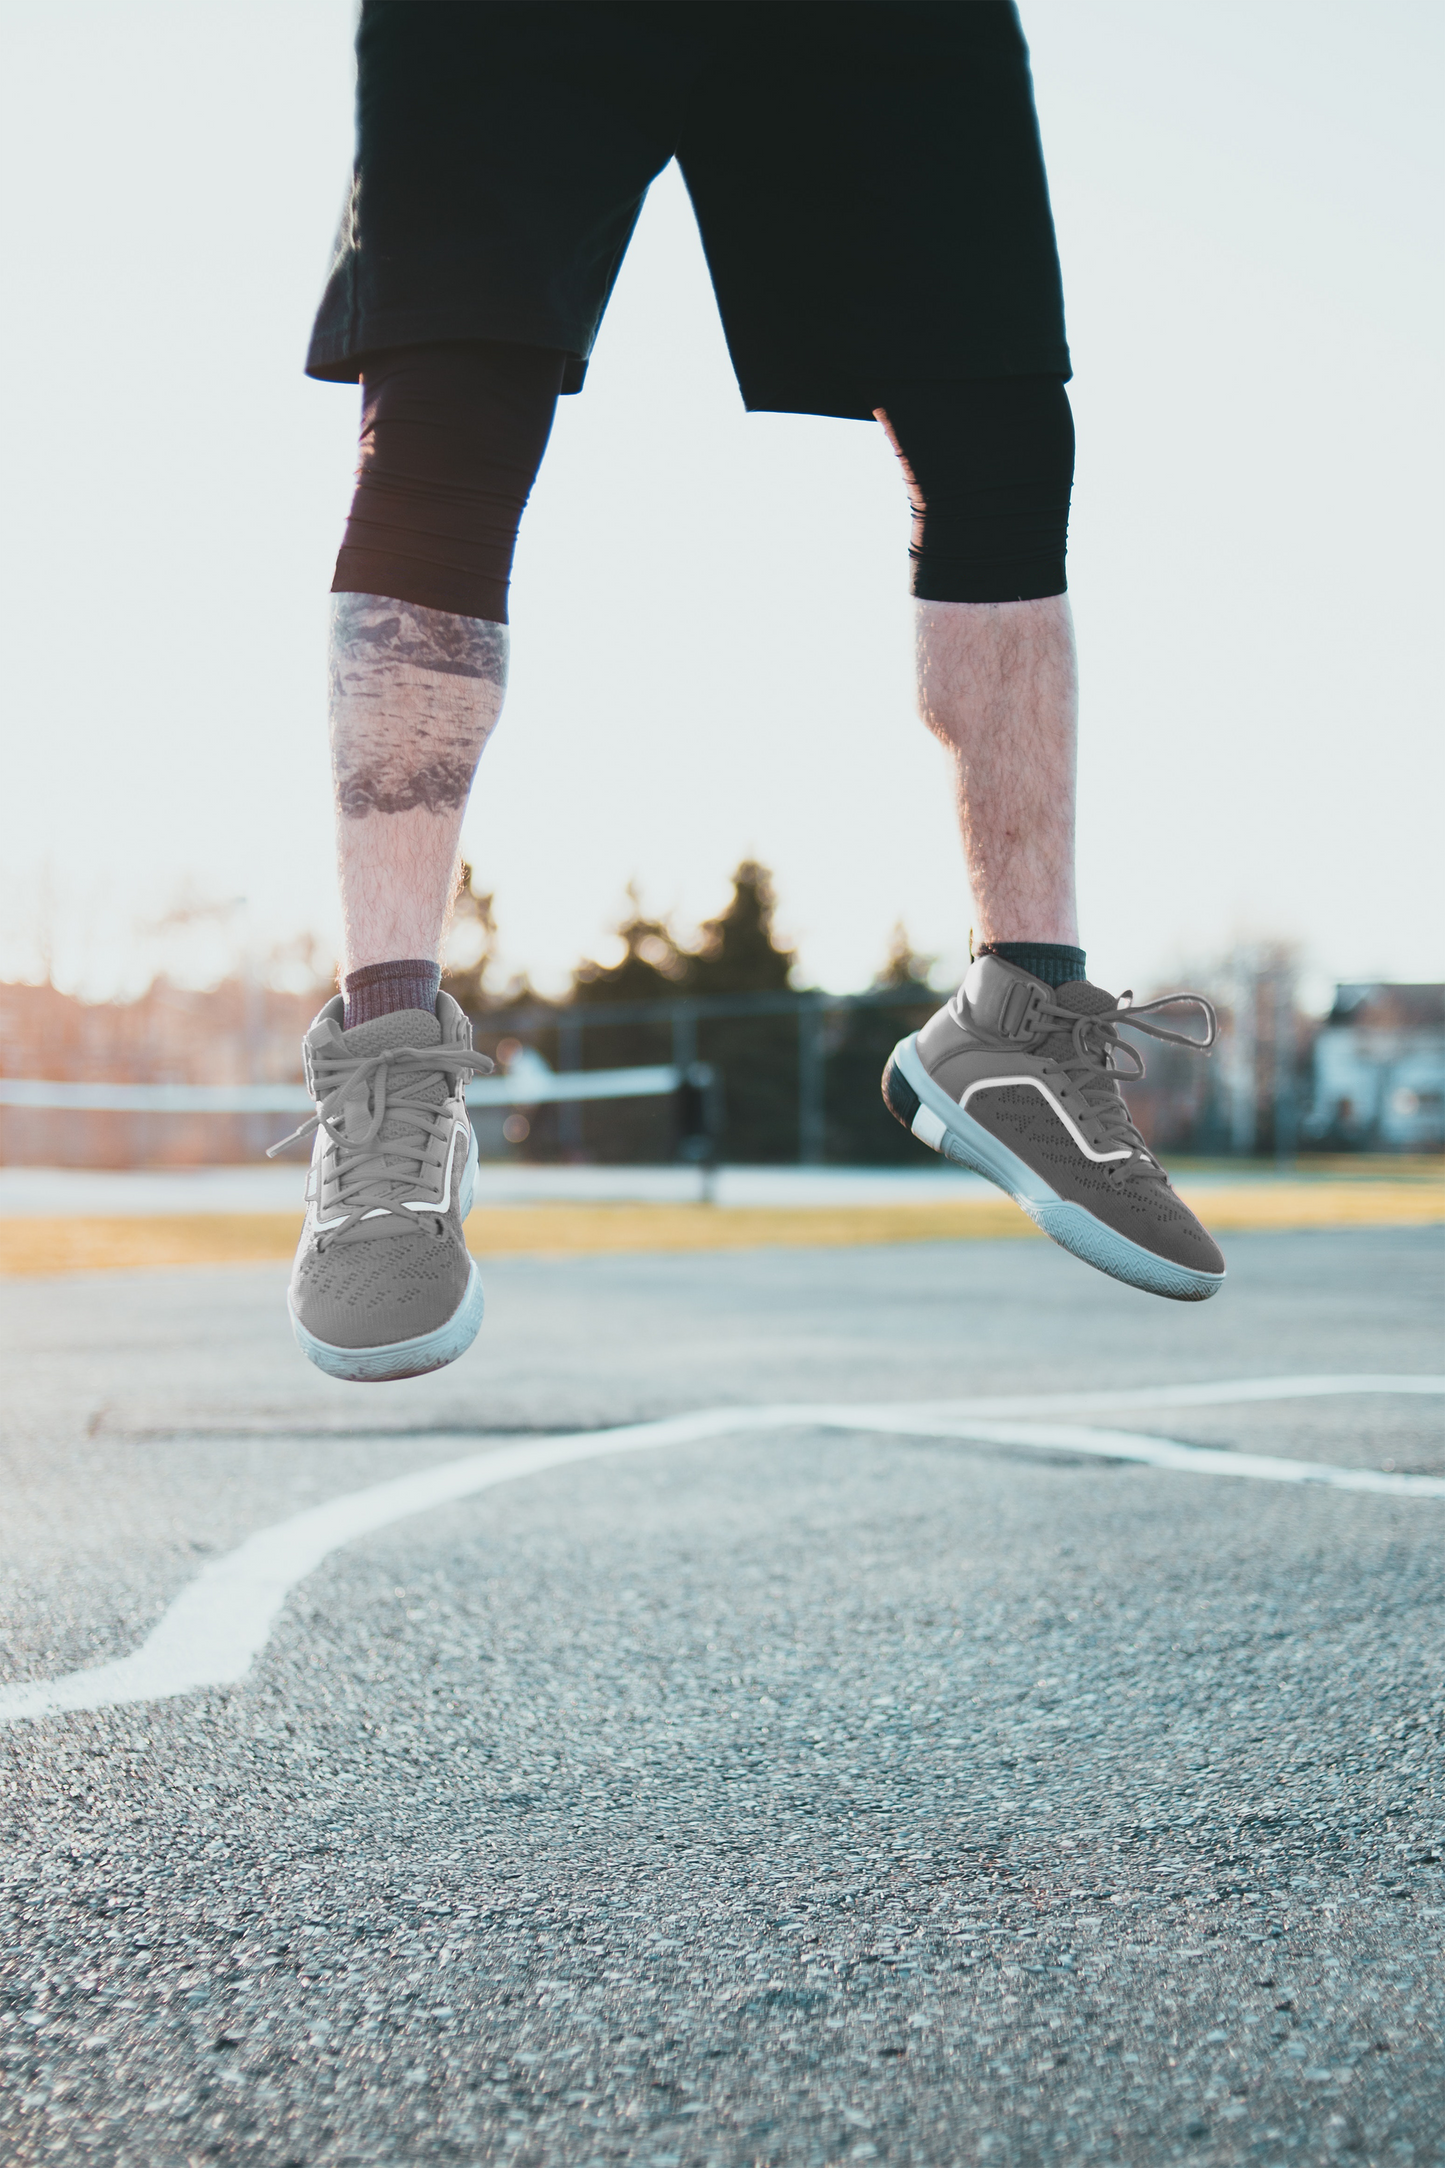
(382, 1286)
(1020, 1081)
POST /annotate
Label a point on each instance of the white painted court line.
(221, 1622)
(1216, 1394)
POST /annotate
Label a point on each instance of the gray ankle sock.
(378, 989)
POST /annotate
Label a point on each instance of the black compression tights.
(452, 436)
(451, 439)
(990, 466)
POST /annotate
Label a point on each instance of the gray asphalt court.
(803, 1787)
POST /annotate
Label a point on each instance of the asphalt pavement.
(790, 1796)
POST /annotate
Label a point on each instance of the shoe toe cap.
(378, 1292)
(1175, 1234)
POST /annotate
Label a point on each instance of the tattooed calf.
(372, 632)
(414, 697)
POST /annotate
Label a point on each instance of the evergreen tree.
(738, 953)
(860, 1130)
(735, 953)
(653, 969)
(650, 971)
(904, 970)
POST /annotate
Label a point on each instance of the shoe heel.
(901, 1100)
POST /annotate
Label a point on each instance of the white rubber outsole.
(428, 1350)
(942, 1124)
(400, 1358)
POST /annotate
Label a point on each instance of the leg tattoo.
(415, 694)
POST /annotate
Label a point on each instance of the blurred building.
(240, 1032)
(1369, 1077)
(799, 1069)
(1243, 1097)
(1378, 1077)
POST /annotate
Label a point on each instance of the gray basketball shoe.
(382, 1286)
(1020, 1081)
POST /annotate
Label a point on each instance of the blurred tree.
(469, 950)
(651, 969)
(738, 952)
(860, 1129)
(903, 967)
(654, 968)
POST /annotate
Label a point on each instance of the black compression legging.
(452, 436)
(990, 465)
(451, 439)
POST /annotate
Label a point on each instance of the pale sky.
(711, 649)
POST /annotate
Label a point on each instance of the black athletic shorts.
(866, 174)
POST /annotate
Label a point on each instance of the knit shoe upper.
(1038, 1069)
(382, 1257)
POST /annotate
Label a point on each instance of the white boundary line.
(217, 1626)
(1216, 1394)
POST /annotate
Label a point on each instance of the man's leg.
(989, 465)
(414, 696)
(383, 1286)
(452, 436)
(1018, 1077)
(997, 684)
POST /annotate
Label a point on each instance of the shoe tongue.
(1082, 998)
(400, 1027)
(408, 1086)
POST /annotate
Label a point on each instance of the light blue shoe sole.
(428, 1350)
(400, 1358)
(941, 1123)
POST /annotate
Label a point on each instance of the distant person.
(870, 190)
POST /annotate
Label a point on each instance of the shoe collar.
(998, 998)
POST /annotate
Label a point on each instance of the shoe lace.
(1092, 1069)
(370, 1170)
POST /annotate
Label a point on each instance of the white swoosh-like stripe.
(996, 1083)
(318, 1168)
(429, 1204)
(410, 1204)
(221, 1622)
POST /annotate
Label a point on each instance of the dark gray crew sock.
(378, 989)
(1050, 961)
